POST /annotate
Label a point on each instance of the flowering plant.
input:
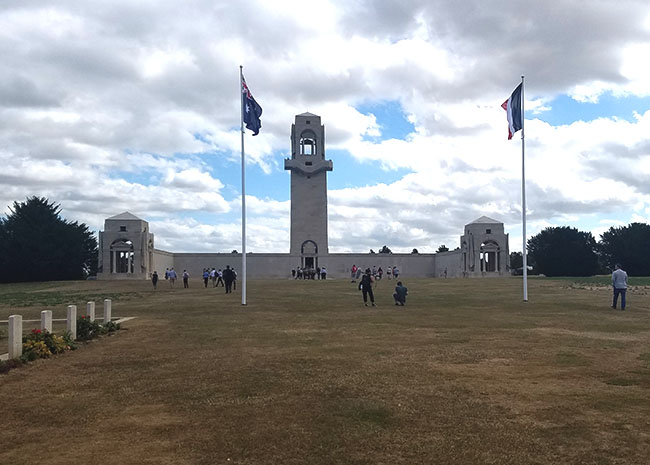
(42, 344)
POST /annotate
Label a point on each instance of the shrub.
(111, 326)
(87, 329)
(43, 344)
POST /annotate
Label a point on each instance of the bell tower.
(308, 189)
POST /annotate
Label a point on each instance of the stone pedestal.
(107, 310)
(90, 310)
(46, 320)
(15, 336)
(71, 322)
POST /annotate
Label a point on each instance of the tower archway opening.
(308, 145)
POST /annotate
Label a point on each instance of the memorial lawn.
(465, 373)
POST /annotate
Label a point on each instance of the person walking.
(219, 278)
(619, 282)
(154, 280)
(353, 273)
(323, 273)
(172, 277)
(400, 294)
(228, 277)
(366, 288)
(389, 272)
(186, 279)
(206, 277)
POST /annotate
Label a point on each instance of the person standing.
(400, 294)
(234, 279)
(395, 272)
(154, 280)
(389, 272)
(172, 277)
(323, 273)
(353, 273)
(366, 288)
(619, 282)
(213, 277)
(228, 278)
(206, 277)
(186, 279)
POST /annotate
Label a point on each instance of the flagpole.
(243, 190)
(523, 193)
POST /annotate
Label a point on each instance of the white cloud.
(133, 106)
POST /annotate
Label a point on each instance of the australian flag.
(250, 109)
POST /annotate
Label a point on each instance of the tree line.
(566, 251)
(37, 244)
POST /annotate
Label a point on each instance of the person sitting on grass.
(400, 294)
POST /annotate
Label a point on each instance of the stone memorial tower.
(308, 190)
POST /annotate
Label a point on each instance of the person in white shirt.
(619, 282)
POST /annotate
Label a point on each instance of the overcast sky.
(119, 106)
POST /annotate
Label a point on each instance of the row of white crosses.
(16, 325)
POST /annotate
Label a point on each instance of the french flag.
(513, 107)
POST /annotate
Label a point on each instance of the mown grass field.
(466, 373)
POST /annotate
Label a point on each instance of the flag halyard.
(513, 108)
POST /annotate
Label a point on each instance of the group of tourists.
(320, 272)
(213, 276)
(226, 278)
(366, 286)
(376, 273)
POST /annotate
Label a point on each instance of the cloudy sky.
(112, 106)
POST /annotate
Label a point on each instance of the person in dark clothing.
(400, 294)
(228, 278)
(366, 288)
(154, 279)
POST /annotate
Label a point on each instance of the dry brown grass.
(466, 373)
